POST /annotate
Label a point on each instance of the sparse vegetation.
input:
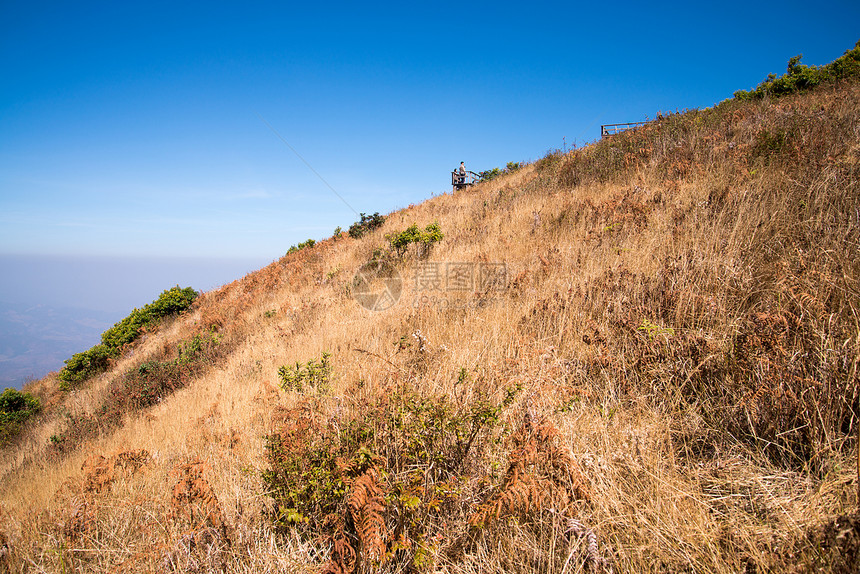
(800, 78)
(386, 479)
(89, 363)
(16, 408)
(366, 224)
(400, 241)
(313, 374)
(139, 388)
(491, 174)
(668, 382)
(303, 245)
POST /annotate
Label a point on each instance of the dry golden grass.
(680, 315)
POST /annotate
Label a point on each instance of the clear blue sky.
(134, 129)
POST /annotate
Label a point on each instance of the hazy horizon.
(52, 306)
(111, 283)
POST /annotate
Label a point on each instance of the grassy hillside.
(638, 356)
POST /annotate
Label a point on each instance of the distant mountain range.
(37, 339)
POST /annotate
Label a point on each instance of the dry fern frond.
(540, 474)
(192, 490)
(100, 472)
(366, 505)
(343, 556)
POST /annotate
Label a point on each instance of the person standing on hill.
(462, 172)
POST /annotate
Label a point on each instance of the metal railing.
(609, 129)
(458, 181)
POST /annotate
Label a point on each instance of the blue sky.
(140, 129)
(136, 151)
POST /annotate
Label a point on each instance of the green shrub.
(84, 365)
(550, 160)
(490, 174)
(170, 302)
(126, 330)
(432, 233)
(847, 66)
(15, 408)
(401, 241)
(397, 462)
(139, 388)
(302, 245)
(314, 374)
(367, 223)
(800, 78)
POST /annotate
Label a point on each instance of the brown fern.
(343, 557)
(366, 505)
(193, 491)
(540, 475)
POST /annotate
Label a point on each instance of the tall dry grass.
(669, 381)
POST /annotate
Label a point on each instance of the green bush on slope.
(368, 223)
(303, 245)
(15, 408)
(84, 365)
(141, 387)
(400, 241)
(799, 77)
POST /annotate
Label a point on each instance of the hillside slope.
(641, 355)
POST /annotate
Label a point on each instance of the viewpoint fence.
(460, 182)
(609, 129)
